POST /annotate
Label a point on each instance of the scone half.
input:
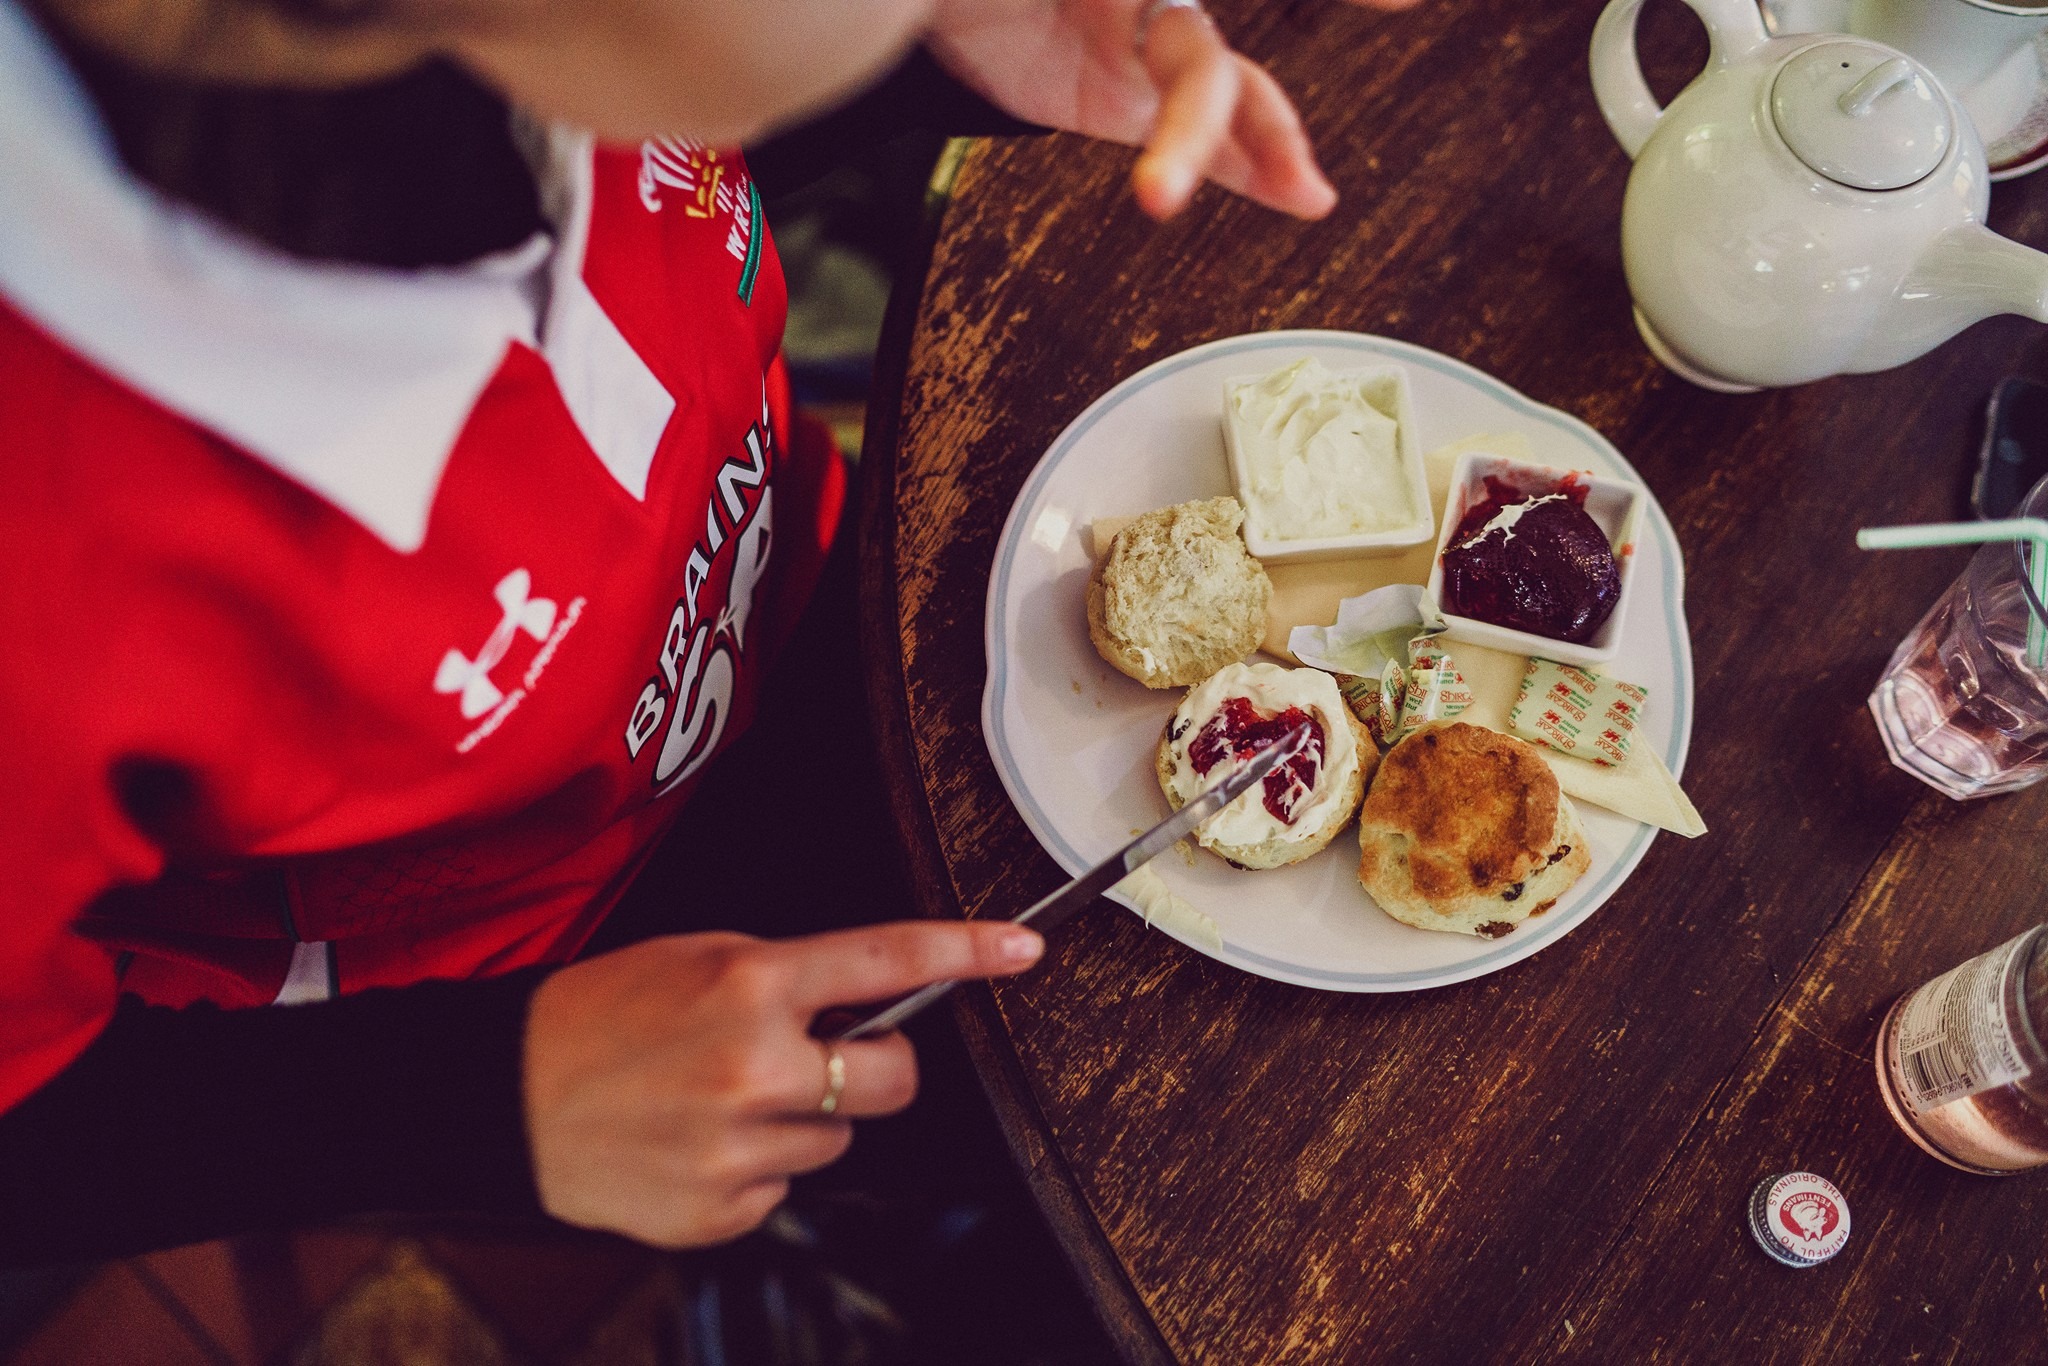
(1177, 596)
(1465, 830)
(1300, 807)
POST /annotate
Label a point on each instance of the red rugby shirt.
(386, 612)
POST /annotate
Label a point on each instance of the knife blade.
(1052, 911)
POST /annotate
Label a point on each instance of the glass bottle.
(1961, 1064)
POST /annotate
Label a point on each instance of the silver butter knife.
(1054, 910)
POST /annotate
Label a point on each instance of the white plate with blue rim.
(1073, 739)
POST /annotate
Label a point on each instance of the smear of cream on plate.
(1164, 909)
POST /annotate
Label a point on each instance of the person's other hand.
(1167, 83)
(672, 1088)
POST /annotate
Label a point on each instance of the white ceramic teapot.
(1808, 206)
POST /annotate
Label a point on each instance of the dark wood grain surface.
(1551, 1161)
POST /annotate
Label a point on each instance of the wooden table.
(1552, 1160)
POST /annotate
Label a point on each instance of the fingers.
(876, 962)
(1199, 83)
(881, 1078)
(1222, 116)
(786, 1148)
(1267, 133)
(745, 1211)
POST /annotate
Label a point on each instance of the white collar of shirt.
(351, 380)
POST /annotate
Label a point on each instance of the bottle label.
(1955, 1038)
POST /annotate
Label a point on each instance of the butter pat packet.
(1403, 698)
(1436, 690)
(1578, 713)
(1389, 665)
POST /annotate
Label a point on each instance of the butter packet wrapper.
(1362, 695)
(1434, 691)
(1390, 669)
(1380, 701)
(1577, 713)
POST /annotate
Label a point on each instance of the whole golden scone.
(1245, 834)
(1178, 596)
(1465, 830)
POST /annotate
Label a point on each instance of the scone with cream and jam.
(1178, 596)
(1466, 830)
(1301, 805)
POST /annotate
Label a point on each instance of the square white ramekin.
(1414, 533)
(1613, 504)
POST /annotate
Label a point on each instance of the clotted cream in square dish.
(1326, 462)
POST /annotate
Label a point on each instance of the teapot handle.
(1734, 27)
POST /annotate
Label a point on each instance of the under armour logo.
(472, 677)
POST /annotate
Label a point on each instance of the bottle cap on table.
(1798, 1218)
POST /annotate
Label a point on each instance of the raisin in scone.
(1178, 596)
(1466, 830)
(1301, 805)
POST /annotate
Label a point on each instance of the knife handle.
(889, 1017)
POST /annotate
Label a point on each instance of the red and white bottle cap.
(1799, 1219)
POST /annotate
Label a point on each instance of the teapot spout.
(1965, 275)
(1982, 274)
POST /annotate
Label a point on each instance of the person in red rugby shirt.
(404, 502)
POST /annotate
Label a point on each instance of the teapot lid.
(1862, 115)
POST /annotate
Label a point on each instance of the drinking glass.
(1959, 706)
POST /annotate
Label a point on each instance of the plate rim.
(1008, 543)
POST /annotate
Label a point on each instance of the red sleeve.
(140, 656)
(64, 838)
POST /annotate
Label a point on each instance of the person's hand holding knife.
(674, 1087)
